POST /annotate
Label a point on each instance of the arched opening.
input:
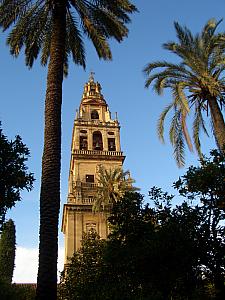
(111, 144)
(97, 141)
(94, 115)
(83, 140)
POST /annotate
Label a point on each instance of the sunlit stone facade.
(95, 142)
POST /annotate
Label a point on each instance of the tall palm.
(197, 83)
(112, 185)
(55, 28)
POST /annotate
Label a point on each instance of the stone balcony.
(97, 152)
(84, 184)
(112, 123)
(81, 201)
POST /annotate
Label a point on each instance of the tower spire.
(95, 141)
(91, 77)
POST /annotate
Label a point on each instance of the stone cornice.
(99, 155)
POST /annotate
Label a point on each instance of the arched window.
(97, 141)
(94, 115)
(83, 140)
(111, 144)
(83, 143)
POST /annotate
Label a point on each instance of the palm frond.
(74, 41)
(119, 8)
(46, 44)
(108, 23)
(32, 20)
(179, 149)
(196, 79)
(184, 35)
(113, 183)
(179, 96)
(210, 28)
(12, 10)
(92, 30)
(166, 76)
(161, 121)
(185, 131)
(176, 138)
(197, 125)
(29, 33)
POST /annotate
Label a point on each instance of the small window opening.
(97, 141)
(94, 115)
(111, 144)
(90, 178)
(83, 143)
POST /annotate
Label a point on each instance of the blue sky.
(122, 81)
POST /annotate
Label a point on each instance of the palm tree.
(112, 185)
(197, 83)
(56, 29)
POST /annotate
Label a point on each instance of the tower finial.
(91, 78)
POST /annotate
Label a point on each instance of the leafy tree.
(6, 292)
(155, 249)
(7, 251)
(196, 83)
(152, 253)
(160, 252)
(82, 279)
(207, 183)
(132, 227)
(14, 175)
(16, 292)
(23, 292)
(56, 28)
(112, 185)
(177, 269)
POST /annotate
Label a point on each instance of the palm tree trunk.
(218, 122)
(51, 161)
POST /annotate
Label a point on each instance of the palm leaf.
(198, 78)
(74, 41)
(161, 121)
(113, 183)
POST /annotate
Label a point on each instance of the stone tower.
(95, 142)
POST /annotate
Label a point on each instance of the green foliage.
(33, 26)
(16, 292)
(112, 185)
(7, 251)
(23, 292)
(6, 291)
(205, 182)
(196, 83)
(14, 175)
(57, 29)
(158, 252)
(83, 276)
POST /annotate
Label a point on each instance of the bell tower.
(95, 142)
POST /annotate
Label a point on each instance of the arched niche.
(97, 141)
(94, 114)
(83, 140)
